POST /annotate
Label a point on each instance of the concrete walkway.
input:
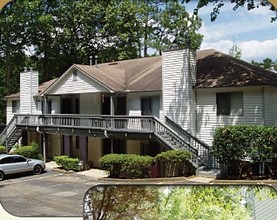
(95, 173)
(101, 175)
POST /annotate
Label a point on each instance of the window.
(150, 106)
(74, 75)
(119, 146)
(15, 106)
(18, 159)
(229, 103)
(6, 160)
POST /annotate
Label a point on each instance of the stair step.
(207, 173)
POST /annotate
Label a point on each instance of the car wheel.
(37, 169)
(1, 175)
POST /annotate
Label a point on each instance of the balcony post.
(44, 146)
(112, 110)
(112, 105)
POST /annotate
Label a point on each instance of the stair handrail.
(5, 133)
(198, 144)
(176, 137)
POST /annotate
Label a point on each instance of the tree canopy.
(52, 35)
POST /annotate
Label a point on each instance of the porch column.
(112, 110)
(112, 146)
(44, 106)
(44, 146)
(112, 105)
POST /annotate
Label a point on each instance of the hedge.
(259, 143)
(237, 145)
(31, 151)
(171, 163)
(127, 165)
(2, 149)
(174, 163)
(67, 162)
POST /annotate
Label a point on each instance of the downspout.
(112, 121)
(263, 106)
(31, 89)
(43, 143)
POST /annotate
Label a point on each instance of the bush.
(67, 162)
(244, 141)
(31, 151)
(127, 165)
(2, 149)
(174, 162)
(233, 145)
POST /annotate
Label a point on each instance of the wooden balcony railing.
(116, 123)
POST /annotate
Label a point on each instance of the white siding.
(208, 121)
(9, 113)
(270, 95)
(178, 72)
(134, 105)
(90, 103)
(265, 208)
(80, 83)
(28, 88)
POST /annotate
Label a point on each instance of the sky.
(252, 31)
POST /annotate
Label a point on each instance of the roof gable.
(74, 80)
(140, 74)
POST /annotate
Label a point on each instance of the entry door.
(83, 146)
(67, 147)
(121, 105)
(146, 106)
(106, 105)
(66, 106)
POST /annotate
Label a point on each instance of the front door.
(67, 147)
(83, 146)
(146, 106)
(66, 106)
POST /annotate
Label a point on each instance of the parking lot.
(49, 194)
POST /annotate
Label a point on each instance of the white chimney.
(28, 88)
(178, 79)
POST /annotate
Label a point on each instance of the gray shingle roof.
(214, 69)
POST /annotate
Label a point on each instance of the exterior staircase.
(175, 137)
(10, 135)
(169, 134)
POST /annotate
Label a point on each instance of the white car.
(11, 164)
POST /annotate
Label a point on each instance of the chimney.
(28, 89)
(178, 79)
(96, 59)
(90, 60)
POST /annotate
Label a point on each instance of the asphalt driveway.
(49, 194)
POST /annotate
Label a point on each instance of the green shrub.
(174, 156)
(2, 149)
(127, 165)
(67, 162)
(234, 145)
(31, 151)
(174, 163)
